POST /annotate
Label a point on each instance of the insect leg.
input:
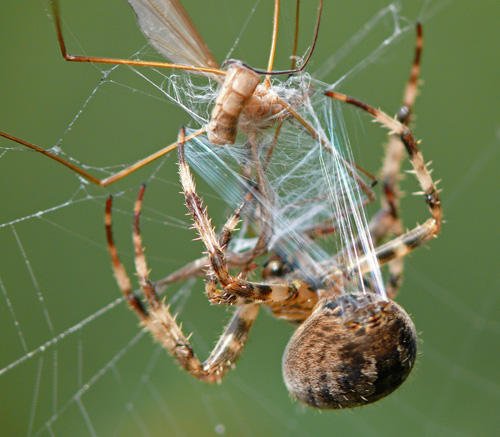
(110, 179)
(116, 61)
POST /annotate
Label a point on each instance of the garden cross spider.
(350, 348)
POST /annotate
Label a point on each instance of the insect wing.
(171, 32)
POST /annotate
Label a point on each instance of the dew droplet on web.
(220, 429)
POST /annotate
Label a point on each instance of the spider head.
(351, 351)
(275, 267)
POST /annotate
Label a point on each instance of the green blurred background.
(106, 378)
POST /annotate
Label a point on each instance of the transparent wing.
(169, 29)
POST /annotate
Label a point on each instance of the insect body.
(238, 88)
(244, 102)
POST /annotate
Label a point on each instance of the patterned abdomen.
(352, 351)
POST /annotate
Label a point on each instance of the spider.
(350, 348)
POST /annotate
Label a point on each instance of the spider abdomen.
(352, 351)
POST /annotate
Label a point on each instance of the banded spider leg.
(158, 319)
(405, 243)
(387, 222)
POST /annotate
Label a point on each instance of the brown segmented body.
(238, 87)
(241, 101)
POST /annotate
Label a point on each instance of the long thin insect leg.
(116, 61)
(274, 40)
(110, 179)
(309, 52)
(295, 36)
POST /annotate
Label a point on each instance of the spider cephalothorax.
(352, 350)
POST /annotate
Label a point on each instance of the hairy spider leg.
(235, 290)
(387, 221)
(162, 325)
(391, 168)
(404, 244)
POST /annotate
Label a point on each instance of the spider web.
(72, 356)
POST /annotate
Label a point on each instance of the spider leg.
(162, 325)
(229, 227)
(395, 279)
(119, 271)
(422, 174)
(405, 243)
(231, 343)
(235, 289)
(199, 266)
(141, 266)
(264, 217)
(166, 331)
(398, 247)
(391, 174)
(388, 221)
